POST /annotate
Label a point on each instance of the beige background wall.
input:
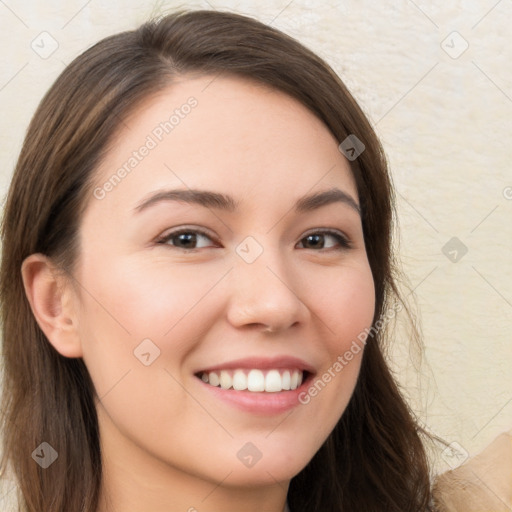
(435, 78)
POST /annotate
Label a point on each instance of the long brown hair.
(374, 459)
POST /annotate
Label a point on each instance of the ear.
(51, 298)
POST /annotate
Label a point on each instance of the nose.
(264, 294)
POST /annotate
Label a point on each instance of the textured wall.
(436, 81)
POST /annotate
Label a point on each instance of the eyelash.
(342, 240)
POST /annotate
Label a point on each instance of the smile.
(255, 380)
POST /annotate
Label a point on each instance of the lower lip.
(259, 402)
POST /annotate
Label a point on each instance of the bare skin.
(169, 443)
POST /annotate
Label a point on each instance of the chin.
(264, 476)
(274, 466)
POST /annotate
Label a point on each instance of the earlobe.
(50, 297)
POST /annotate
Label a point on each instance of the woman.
(202, 218)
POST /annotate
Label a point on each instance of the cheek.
(345, 310)
(137, 325)
(133, 301)
(149, 298)
(345, 303)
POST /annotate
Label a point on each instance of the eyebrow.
(227, 203)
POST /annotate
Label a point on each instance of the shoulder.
(482, 484)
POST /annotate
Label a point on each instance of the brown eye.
(323, 240)
(186, 239)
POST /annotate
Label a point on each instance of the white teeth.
(271, 381)
(225, 380)
(239, 380)
(294, 380)
(213, 379)
(286, 380)
(256, 381)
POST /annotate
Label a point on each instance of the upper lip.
(262, 363)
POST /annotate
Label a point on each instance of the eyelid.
(344, 241)
(185, 229)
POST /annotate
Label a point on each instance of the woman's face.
(203, 260)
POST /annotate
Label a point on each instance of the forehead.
(226, 134)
